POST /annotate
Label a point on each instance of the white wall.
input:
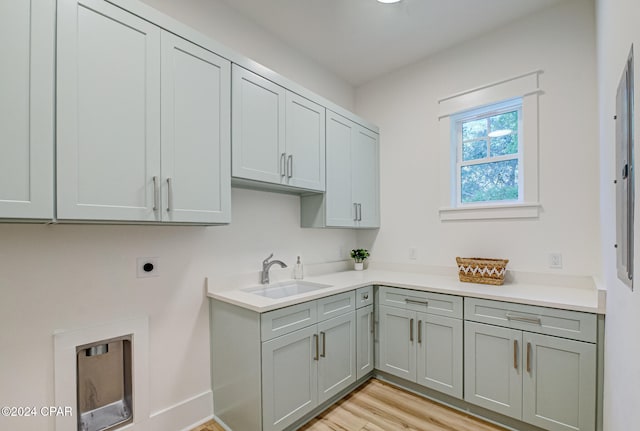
(617, 30)
(59, 277)
(219, 21)
(561, 41)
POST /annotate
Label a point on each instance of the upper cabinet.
(27, 106)
(352, 193)
(196, 126)
(143, 121)
(115, 113)
(278, 136)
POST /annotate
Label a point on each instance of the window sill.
(491, 212)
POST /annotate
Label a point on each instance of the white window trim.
(523, 86)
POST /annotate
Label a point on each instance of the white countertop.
(585, 296)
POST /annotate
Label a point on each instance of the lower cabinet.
(535, 364)
(307, 367)
(365, 327)
(422, 348)
(544, 380)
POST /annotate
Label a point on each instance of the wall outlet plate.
(147, 267)
(555, 260)
(413, 253)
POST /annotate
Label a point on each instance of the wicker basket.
(481, 270)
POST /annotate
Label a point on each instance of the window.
(489, 150)
(488, 154)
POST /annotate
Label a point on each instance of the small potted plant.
(359, 255)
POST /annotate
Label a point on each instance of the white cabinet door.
(337, 357)
(289, 378)
(493, 368)
(364, 156)
(27, 29)
(340, 210)
(397, 342)
(305, 143)
(440, 353)
(364, 341)
(559, 383)
(258, 128)
(108, 110)
(196, 101)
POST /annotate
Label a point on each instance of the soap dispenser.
(297, 270)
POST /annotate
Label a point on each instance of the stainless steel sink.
(285, 288)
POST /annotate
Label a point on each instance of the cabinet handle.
(324, 345)
(316, 357)
(169, 195)
(359, 212)
(419, 331)
(415, 301)
(155, 193)
(411, 330)
(365, 296)
(529, 358)
(355, 209)
(283, 167)
(515, 354)
(290, 166)
(373, 323)
(534, 320)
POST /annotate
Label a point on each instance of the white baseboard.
(183, 416)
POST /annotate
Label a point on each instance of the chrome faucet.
(266, 265)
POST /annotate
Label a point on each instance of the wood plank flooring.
(379, 406)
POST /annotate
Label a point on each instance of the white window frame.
(525, 87)
(457, 144)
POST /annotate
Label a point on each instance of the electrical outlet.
(148, 267)
(555, 260)
(413, 253)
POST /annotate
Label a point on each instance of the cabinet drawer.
(364, 296)
(285, 320)
(336, 305)
(561, 323)
(426, 302)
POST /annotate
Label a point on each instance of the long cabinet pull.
(534, 320)
(411, 330)
(372, 323)
(283, 166)
(169, 195)
(355, 211)
(290, 166)
(419, 331)
(515, 354)
(359, 212)
(415, 301)
(324, 345)
(528, 357)
(155, 193)
(316, 357)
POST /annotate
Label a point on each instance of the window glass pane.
(495, 181)
(474, 150)
(506, 121)
(504, 145)
(474, 129)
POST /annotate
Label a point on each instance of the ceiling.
(359, 40)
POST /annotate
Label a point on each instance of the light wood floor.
(378, 406)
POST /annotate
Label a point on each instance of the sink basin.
(285, 289)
